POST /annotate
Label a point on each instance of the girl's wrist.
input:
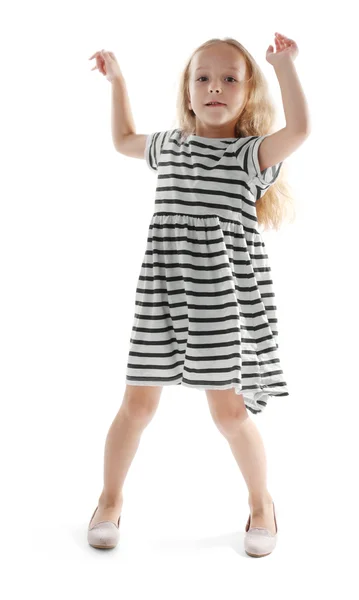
(118, 79)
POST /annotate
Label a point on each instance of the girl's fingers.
(99, 67)
(283, 37)
(96, 54)
(100, 60)
(93, 56)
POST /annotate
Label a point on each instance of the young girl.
(205, 306)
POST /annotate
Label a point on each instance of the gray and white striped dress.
(205, 313)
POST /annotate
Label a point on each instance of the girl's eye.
(229, 77)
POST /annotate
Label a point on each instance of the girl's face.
(217, 73)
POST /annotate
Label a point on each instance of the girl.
(205, 306)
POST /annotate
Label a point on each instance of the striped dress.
(205, 314)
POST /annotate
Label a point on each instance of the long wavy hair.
(257, 118)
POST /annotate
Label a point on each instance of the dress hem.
(254, 407)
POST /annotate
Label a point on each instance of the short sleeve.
(155, 144)
(247, 153)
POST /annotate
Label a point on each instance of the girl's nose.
(215, 87)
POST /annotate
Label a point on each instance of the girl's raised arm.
(124, 136)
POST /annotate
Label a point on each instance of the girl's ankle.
(258, 502)
(110, 502)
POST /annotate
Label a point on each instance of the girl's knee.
(227, 409)
(140, 402)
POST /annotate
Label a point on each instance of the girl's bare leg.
(137, 410)
(231, 417)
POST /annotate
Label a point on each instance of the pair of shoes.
(104, 534)
(259, 541)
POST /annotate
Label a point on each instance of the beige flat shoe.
(104, 534)
(259, 541)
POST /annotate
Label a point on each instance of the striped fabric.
(205, 313)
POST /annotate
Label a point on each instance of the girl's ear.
(189, 103)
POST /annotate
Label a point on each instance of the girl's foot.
(263, 516)
(107, 511)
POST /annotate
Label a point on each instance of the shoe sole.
(103, 547)
(257, 555)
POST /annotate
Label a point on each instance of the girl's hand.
(107, 64)
(285, 49)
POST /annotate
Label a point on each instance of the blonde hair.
(257, 119)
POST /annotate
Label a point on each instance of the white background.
(73, 228)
